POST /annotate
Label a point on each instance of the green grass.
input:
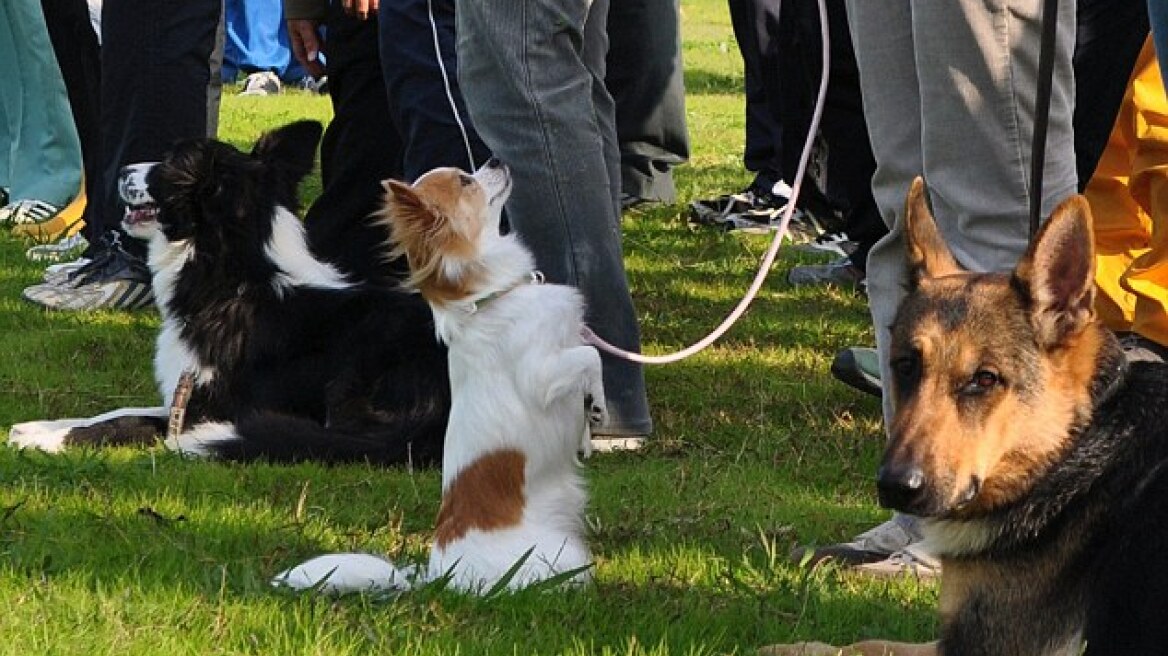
(756, 449)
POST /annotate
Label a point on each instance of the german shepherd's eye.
(465, 179)
(906, 370)
(982, 381)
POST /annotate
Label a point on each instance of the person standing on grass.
(159, 83)
(532, 73)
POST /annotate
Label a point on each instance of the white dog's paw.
(344, 573)
(597, 410)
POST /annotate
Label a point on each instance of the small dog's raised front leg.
(578, 369)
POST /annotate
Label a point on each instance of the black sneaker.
(114, 279)
(755, 198)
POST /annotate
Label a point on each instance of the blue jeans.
(532, 75)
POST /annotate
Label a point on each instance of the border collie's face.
(209, 190)
(443, 222)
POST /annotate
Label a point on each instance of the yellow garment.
(65, 223)
(1129, 199)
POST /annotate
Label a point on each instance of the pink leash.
(768, 259)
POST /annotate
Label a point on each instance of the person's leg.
(155, 81)
(532, 75)
(45, 155)
(984, 221)
(360, 148)
(754, 22)
(158, 86)
(76, 46)
(1109, 35)
(420, 65)
(645, 80)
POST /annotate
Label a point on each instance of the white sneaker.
(263, 83)
(910, 561)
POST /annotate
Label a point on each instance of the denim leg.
(532, 74)
(45, 153)
(418, 60)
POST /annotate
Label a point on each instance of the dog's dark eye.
(466, 180)
(983, 380)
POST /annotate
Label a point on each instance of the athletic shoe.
(872, 546)
(910, 561)
(841, 273)
(59, 274)
(714, 211)
(27, 211)
(113, 280)
(62, 249)
(263, 83)
(858, 367)
(311, 84)
(833, 243)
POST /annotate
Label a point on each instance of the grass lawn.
(141, 552)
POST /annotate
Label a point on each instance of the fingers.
(305, 40)
(361, 9)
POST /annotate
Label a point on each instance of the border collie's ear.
(292, 147)
(926, 254)
(1059, 272)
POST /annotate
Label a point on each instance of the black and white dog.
(287, 359)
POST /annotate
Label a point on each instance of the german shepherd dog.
(1035, 455)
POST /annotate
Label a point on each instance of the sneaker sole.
(845, 370)
(614, 444)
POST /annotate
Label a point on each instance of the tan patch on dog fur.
(436, 225)
(487, 495)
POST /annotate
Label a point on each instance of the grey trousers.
(949, 93)
(532, 76)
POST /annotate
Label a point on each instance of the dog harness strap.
(178, 404)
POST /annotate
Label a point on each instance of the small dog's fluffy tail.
(283, 438)
(346, 573)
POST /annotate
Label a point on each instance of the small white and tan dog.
(525, 391)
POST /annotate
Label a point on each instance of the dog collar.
(533, 278)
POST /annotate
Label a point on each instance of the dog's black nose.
(493, 163)
(901, 488)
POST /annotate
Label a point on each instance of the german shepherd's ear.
(925, 249)
(1059, 271)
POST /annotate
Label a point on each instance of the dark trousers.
(75, 45)
(420, 67)
(850, 163)
(756, 28)
(157, 86)
(361, 147)
(644, 76)
(1108, 39)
